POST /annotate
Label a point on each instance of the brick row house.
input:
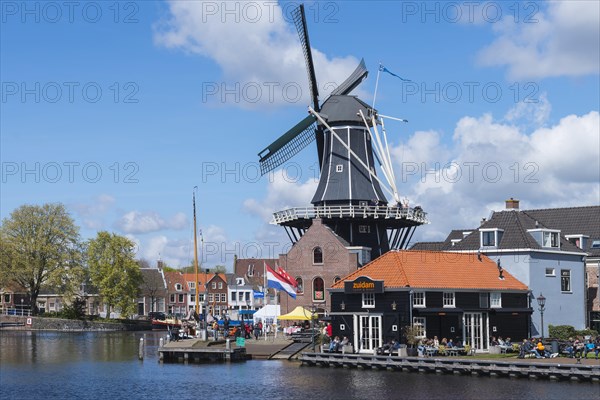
(464, 297)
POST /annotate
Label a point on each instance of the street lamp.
(542, 306)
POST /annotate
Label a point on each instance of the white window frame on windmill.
(339, 168)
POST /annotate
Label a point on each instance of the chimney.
(512, 204)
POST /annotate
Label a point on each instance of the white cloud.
(259, 50)
(91, 213)
(144, 222)
(565, 41)
(490, 161)
(282, 194)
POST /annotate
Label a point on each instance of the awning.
(514, 310)
(247, 312)
(438, 310)
(298, 314)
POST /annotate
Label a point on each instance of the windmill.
(349, 197)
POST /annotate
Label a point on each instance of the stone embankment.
(12, 322)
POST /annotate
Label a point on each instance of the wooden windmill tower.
(350, 137)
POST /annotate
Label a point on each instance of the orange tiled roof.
(190, 277)
(435, 270)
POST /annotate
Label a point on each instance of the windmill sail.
(352, 81)
(300, 22)
(288, 145)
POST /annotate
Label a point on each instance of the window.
(495, 300)
(240, 296)
(318, 289)
(336, 279)
(214, 285)
(192, 285)
(484, 300)
(364, 229)
(550, 239)
(317, 256)
(448, 299)
(596, 244)
(232, 296)
(488, 238)
(368, 300)
(201, 297)
(178, 287)
(220, 285)
(550, 272)
(339, 168)
(251, 270)
(172, 298)
(419, 299)
(180, 299)
(210, 297)
(193, 298)
(419, 323)
(7, 298)
(223, 298)
(247, 296)
(565, 280)
(299, 287)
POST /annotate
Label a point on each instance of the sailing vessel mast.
(196, 253)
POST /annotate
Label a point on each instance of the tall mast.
(196, 252)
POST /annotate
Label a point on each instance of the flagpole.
(265, 298)
(376, 85)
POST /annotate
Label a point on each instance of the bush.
(564, 332)
(561, 332)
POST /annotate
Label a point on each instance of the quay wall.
(24, 323)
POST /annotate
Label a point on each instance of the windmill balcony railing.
(350, 211)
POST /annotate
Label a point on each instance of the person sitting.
(578, 348)
(334, 345)
(494, 341)
(525, 348)
(444, 342)
(588, 348)
(540, 350)
(436, 342)
(501, 341)
(508, 342)
(450, 344)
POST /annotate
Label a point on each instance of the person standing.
(329, 330)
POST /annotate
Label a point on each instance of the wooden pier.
(197, 351)
(459, 366)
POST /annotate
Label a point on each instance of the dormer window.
(178, 287)
(239, 281)
(251, 270)
(490, 237)
(550, 239)
(580, 241)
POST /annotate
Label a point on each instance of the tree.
(40, 246)
(114, 271)
(219, 269)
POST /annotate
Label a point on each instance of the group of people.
(389, 347)
(579, 348)
(336, 344)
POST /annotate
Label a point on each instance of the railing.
(19, 311)
(350, 211)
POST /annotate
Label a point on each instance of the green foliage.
(410, 333)
(75, 310)
(40, 246)
(564, 332)
(114, 271)
(561, 332)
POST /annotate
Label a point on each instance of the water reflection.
(105, 365)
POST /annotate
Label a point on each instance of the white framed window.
(191, 285)
(419, 323)
(192, 298)
(339, 168)
(368, 300)
(448, 299)
(490, 237)
(232, 296)
(223, 297)
(201, 297)
(210, 297)
(214, 285)
(419, 299)
(495, 300)
(178, 287)
(565, 280)
(180, 298)
(550, 272)
(251, 270)
(220, 285)
(550, 239)
(317, 255)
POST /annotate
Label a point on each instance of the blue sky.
(118, 110)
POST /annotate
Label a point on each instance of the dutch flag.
(276, 281)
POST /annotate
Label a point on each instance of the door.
(369, 332)
(476, 330)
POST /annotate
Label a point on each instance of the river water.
(92, 365)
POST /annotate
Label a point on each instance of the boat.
(160, 324)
